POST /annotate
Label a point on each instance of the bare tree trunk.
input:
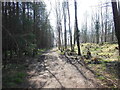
(59, 38)
(34, 26)
(85, 31)
(113, 33)
(106, 25)
(74, 37)
(116, 17)
(76, 25)
(69, 26)
(58, 19)
(102, 34)
(65, 34)
(97, 29)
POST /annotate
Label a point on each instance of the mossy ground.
(107, 54)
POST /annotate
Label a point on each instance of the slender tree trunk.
(23, 7)
(65, 32)
(59, 39)
(113, 34)
(85, 32)
(97, 29)
(5, 22)
(102, 34)
(34, 26)
(69, 26)
(58, 19)
(106, 26)
(74, 36)
(10, 27)
(17, 15)
(76, 25)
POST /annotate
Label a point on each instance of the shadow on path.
(40, 66)
(74, 63)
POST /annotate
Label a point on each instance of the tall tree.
(85, 30)
(102, 26)
(22, 24)
(106, 23)
(116, 16)
(76, 25)
(97, 26)
(58, 13)
(65, 31)
(69, 25)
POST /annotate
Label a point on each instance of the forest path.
(52, 71)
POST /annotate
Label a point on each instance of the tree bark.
(102, 34)
(69, 26)
(106, 25)
(76, 25)
(65, 32)
(116, 16)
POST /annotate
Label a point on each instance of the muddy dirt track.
(52, 70)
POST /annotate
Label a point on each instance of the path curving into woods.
(52, 70)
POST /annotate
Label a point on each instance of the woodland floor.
(55, 69)
(52, 70)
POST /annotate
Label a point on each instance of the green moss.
(62, 53)
(21, 74)
(41, 50)
(98, 74)
(119, 58)
(18, 80)
(101, 77)
(108, 55)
